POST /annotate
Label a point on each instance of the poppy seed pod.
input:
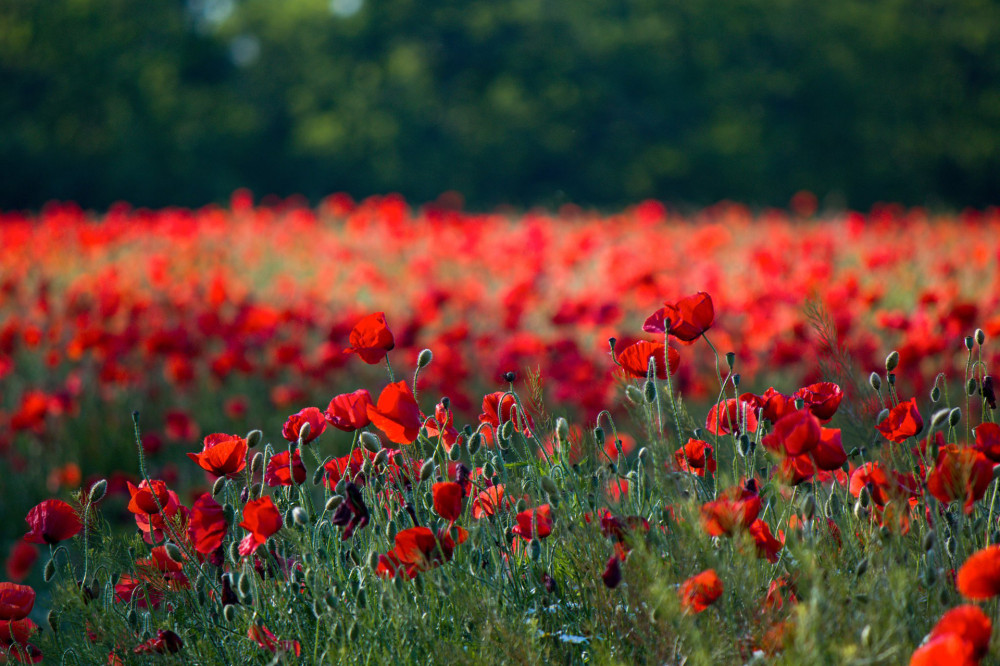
(875, 381)
(371, 442)
(254, 438)
(954, 416)
(891, 361)
(334, 502)
(736, 380)
(980, 336)
(730, 359)
(611, 343)
(969, 342)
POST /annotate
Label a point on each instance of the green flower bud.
(97, 491)
(891, 361)
(371, 442)
(425, 358)
(254, 438)
(875, 381)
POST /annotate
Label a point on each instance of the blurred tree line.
(507, 101)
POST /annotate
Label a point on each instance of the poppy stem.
(388, 366)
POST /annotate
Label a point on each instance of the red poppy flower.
(701, 591)
(794, 434)
(612, 575)
(904, 421)
(419, 549)
(207, 525)
(349, 411)
(441, 425)
(293, 426)
(52, 521)
(222, 455)
(143, 500)
(821, 399)
(16, 601)
(960, 474)
(988, 440)
(767, 545)
(775, 405)
(883, 485)
(165, 642)
(689, 317)
(490, 501)
(968, 622)
(950, 649)
(262, 519)
(15, 632)
(277, 472)
(736, 509)
(696, 457)
(534, 522)
(268, 641)
(634, 359)
(829, 454)
(448, 500)
(20, 560)
(979, 577)
(500, 407)
(371, 339)
(732, 416)
(346, 467)
(397, 413)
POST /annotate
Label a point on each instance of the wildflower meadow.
(371, 432)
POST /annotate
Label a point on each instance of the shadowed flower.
(20, 560)
(16, 601)
(397, 413)
(961, 474)
(695, 457)
(262, 519)
(534, 522)
(732, 416)
(736, 509)
(165, 642)
(278, 473)
(268, 641)
(207, 525)
(988, 440)
(448, 500)
(52, 521)
(222, 455)
(371, 339)
(701, 591)
(490, 501)
(419, 549)
(612, 575)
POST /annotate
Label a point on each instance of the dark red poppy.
(293, 426)
(165, 642)
(688, 318)
(821, 399)
(148, 498)
(988, 440)
(371, 339)
(696, 457)
(346, 467)
(961, 474)
(773, 405)
(829, 454)
(268, 641)
(904, 421)
(349, 411)
(612, 575)
(15, 633)
(52, 521)
(419, 549)
(736, 509)
(534, 522)
(16, 601)
(979, 577)
(731, 416)
(794, 434)
(634, 359)
(767, 545)
(700, 591)
(970, 623)
(20, 560)
(278, 473)
(397, 413)
(490, 501)
(222, 455)
(500, 407)
(207, 525)
(448, 500)
(262, 519)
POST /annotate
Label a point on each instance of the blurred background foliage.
(520, 102)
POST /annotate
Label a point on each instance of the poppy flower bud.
(234, 551)
(255, 491)
(229, 613)
(132, 617)
(929, 576)
(892, 378)
(256, 463)
(243, 585)
(173, 552)
(299, 516)
(649, 391)
(971, 387)
(334, 502)
(745, 445)
(969, 342)
(52, 619)
(939, 417)
(317, 477)
(371, 442)
(860, 512)
(645, 456)
(562, 429)
(882, 416)
(535, 550)
(489, 470)
(97, 491)
(633, 394)
(954, 416)
(865, 496)
(254, 438)
(599, 435)
(507, 430)
(730, 359)
(522, 504)
(861, 568)
(875, 381)
(454, 454)
(50, 570)
(935, 394)
(304, 432)
(549, 486)
(951, 545)
(427, 469)
(381, 458)
(509, 377)
(891, 361)
(475, 442)
(980, 336)
(373, 560)
(928, 541)
(425, 358)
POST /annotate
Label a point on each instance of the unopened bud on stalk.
(371, 442)
(373, 560)
(599, 436)
(730, 359)
(50, 570)
(173, 552)
(255, 490)
(549, 486)
(97, 491)
(971, 387)
(862, 568)
(562, 429)
(299, 516)
(611, 343)
(535, 550)
(930, 576)
(939, 417)
(256, 463)
(427, 469)
(318, 475)
(229, 613)
(951, 545)
(866, 636)
(799, 403)
(649, 391)
(935, 394)
(304, 432)
(645, 456)
(489, 470)
(52, 619)
(969, 342)
(219, 485)
(892, 378)
(928, 541)
(980, 336)
(745, 445)
(455, 453)
(334, 502)
(234, 552)
(954, 416)
(865, 497)
(633, 394)
(475, 442)
(381, 458)
(254, 437)
(891, 361)
(875, 381)
(882, 416)
(243, 585)
(860, 512)
(521, 505)
(425, 358)
(507, 430)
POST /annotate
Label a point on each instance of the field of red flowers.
(365, 431)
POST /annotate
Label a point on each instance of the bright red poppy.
(988, 440)
(278, 473)
(732, 415)
(950, 649)
(346, 467)
(349, 411)
(222, 455)
(736, 509)
(767, 545)
(968, 622)
(696, 457)
(904, 421)
(16, 601)
(419, 549)
(148, 497)
(371, 339)
(688, 318)
(262, 519)
(52, 521)
(534, 522)
(634, 359)
(448, 500)
(15, 632)
(961, 474)
(700, 591)
(207, 524)
(794, 434)
(821, 399)
(979, 577)
(501, 407)
(490, 501)
(397, 413)
(293, 426)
